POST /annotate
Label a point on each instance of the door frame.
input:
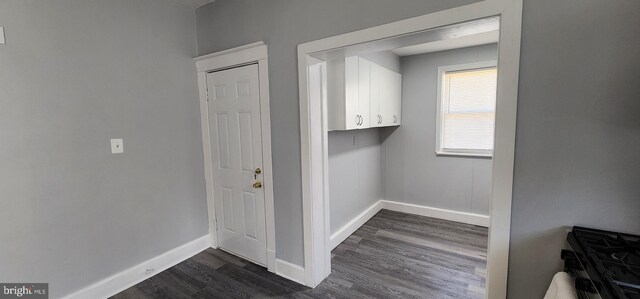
(235, 57)
(313, 135)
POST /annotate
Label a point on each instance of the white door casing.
(236, 149)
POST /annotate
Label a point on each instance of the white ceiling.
(195, 3)
(449, 44)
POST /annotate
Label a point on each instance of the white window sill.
(464, 155)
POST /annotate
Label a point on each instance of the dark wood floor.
(394, 255)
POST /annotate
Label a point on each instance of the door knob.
(257, 185)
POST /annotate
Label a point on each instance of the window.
(466, 109)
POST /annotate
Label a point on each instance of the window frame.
(442, 70)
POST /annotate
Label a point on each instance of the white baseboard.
(290, 271)
(123, 280)
(464, 217)
(344, 232)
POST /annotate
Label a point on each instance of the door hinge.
(206, 91)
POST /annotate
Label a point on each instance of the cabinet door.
(396, 100)
(351, 96)
(363, 92)
(386, 95)
(374, 95)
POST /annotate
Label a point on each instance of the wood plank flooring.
(393, 255)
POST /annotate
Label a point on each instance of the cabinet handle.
(380, 119)
(395, 119)
(361, 120)
(357, 120)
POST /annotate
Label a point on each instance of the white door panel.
(385, 97)
(375, 74)
(234, 114)
(351, 93)
(363, 91)
(397, 100)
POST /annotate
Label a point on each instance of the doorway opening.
(335, 120)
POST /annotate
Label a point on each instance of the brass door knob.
(257, 185)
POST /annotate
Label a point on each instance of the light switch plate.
(2, 41)
(117, 146)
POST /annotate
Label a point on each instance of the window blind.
(469, 101)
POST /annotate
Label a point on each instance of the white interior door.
(236, 149)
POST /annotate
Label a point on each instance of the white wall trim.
(121, 281)
(228, 51)
(290, 271)
(463, 217)
(252, 53)
(348, 229)
(313, 137)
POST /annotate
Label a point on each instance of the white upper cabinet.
(395, 106)
(386, 95)
(362, 94)
(375, 94)
(345, 102)
(363, 91)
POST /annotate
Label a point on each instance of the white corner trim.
(271, 260)
(121, 281)
(290, 271)
(348, 229)
(463, 217)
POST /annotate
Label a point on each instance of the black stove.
(611, 260)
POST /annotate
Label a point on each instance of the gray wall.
(284, 24)
(577, 146)
(355, 174)
(74, 74)
(414, 174)
(578, 135)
